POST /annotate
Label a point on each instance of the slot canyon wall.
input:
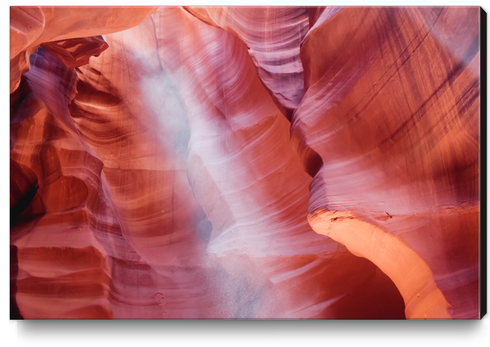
(241, 162)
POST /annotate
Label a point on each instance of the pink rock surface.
(32, 26)
(192, 163)
(273, 36)
(412, 163)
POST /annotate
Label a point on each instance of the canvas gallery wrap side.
(246, 163)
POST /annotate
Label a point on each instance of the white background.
(213, 333)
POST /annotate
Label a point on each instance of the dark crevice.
(14, 272)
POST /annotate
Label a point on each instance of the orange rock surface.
(290, 163)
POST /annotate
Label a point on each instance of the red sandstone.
(244, 163)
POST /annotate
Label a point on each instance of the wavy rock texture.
(32, 26)
(405, 98)
(179, 166)
(273, 36)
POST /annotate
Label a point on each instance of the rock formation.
(290, 163)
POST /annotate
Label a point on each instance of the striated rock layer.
(33, 26)
(289, 163)
(409, 110)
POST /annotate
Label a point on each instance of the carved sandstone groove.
(154, 175)
(33, 26)
(407, 270)
(388, 126)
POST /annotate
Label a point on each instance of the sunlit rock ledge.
(223, 163)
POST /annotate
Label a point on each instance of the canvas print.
(245, 163)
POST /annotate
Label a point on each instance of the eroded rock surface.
(245, 163)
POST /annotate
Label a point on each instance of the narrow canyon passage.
(240, 162)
